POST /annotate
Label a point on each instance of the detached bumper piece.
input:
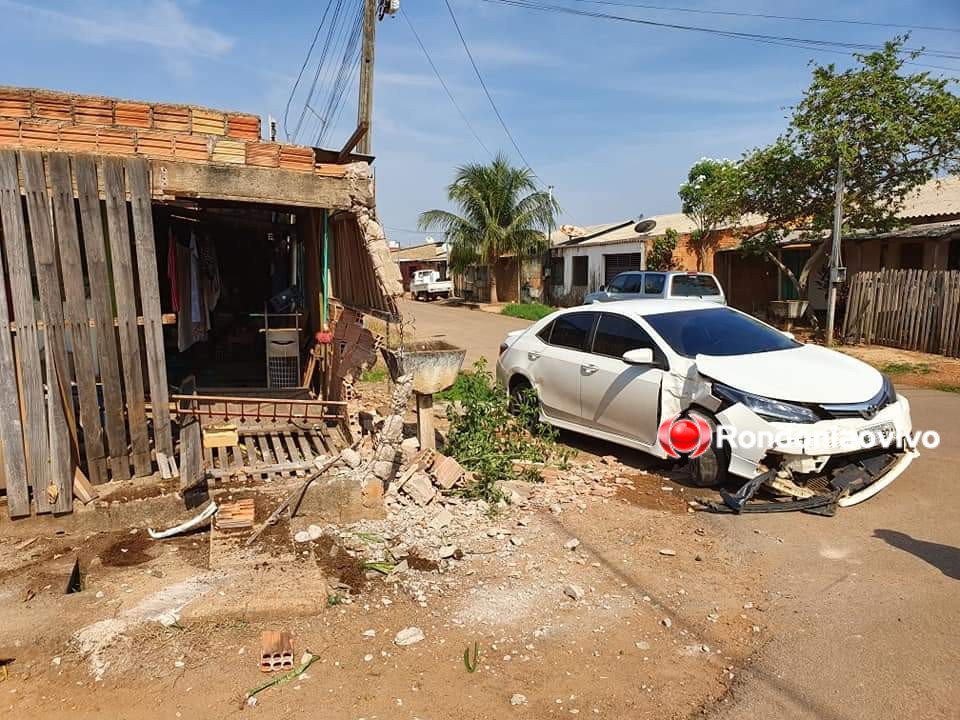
(854, 480)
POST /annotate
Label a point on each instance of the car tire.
(710, 468)
(519, 387)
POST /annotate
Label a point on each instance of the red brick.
(132, 114)
(52, 107)
(187, 147)
(37, 134)
(14, 103)
(171, 117)
(9, 132)
(92, 111)
(155, 144)
(246, 127)
(118, 141)
(263, 154)
(293, 157)
(78, 137)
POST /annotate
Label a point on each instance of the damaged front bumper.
(815, 467)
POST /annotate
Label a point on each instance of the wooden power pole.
(365, 107)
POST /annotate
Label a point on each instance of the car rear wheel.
(710, 468)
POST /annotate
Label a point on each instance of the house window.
(580, 271)
(556, 270)
(911, 256)
(613, 265)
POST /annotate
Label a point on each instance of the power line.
(443, 83)
(785, 41)
(798, 18)
(486, 91)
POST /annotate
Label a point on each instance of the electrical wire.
(764, 16)
(781, 40)
(443, 84)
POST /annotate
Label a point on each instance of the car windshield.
(694, 286)
(717, 332)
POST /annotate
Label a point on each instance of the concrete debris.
(572, 544)
(409, 636)
(668, 552)
(420, 488)
(441, 519)
(426, 474)
(667, 622)
(315, 532)
(574, 591)
(351, 457)
(518, 699)
(302, 537)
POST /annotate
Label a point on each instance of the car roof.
(663, 272)
(650, 306)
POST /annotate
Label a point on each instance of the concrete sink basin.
(434, 365)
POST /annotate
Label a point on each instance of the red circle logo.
(689, 436)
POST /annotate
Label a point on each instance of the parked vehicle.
(636, 285)
(427, 285)
(629, 371)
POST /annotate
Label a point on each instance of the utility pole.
(365, 106)
(838, 274)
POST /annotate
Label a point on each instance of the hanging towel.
(172, 271)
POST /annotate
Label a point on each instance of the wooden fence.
(910, 309)
(56, 230)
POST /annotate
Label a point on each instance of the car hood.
(809, 373)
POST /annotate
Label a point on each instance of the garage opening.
(613, 265)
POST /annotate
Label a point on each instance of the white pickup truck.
(427, 285)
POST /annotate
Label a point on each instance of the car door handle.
(588, 369)
(533, 355)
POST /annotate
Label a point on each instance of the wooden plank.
(91, 224)
(122, 264)
(26, 343)
(12, 454)
(82, 489)
(191, 464)
(266, 457)
(293, 452)
(75, 312)
(304, 444)
(163, 465)
(278, 451)
(138, 181)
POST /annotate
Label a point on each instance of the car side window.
(634, 283)
(573, 331)
(617, 284)
(653, 283)
(544, 333)
(617, 334)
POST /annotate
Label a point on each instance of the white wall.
(595, 262)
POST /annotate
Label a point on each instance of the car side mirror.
(639, 356)
(602, 288)
(789, 334)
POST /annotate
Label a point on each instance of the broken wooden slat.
(82, 489)
(26, 343)
(55, 347)
(98, 274)
(122, 265)
(75, 311)
(278, 451)
(163, 463)
(191, 469)
(138, 180)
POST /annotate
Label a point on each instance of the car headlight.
(775, 410)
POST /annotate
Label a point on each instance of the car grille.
(866, 410)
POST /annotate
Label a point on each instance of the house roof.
(618, 232)
(427, 252)
(936, 198)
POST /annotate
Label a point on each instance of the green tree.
(709, 198)
(892, 131)
(501, 212)
(660, 256)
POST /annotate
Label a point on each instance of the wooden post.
(425, 422)
(191, 440)
(365, 106)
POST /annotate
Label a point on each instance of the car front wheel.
(710, 468)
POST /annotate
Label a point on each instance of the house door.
(97, 285)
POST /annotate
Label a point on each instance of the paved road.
(863, 608)
(479, 332)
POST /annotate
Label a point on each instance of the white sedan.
(689, 378)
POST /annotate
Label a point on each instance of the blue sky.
(611, 114)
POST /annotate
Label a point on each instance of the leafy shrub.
(527, 311)
(488, 433)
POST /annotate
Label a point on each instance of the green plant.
(661, 251)
(947, 387)
(472, 664)
(334, 599)
(378, 373)
(902, 368)
(489, 432)
(501, 212)
(527, 311)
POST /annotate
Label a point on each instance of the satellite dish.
(644, 226)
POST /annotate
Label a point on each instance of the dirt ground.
(907, 367)
(650, 615)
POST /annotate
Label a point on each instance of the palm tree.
(501, 212)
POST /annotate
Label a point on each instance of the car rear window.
(717, 332)
(694, 286)
(573, 330)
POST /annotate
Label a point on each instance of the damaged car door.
(617, 395)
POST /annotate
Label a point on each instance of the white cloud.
(159, 24)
